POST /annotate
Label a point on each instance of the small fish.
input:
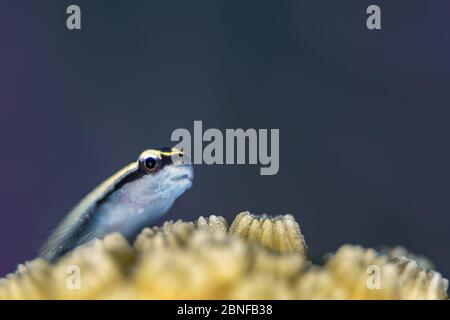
(126, 202)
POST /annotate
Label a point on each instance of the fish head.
(168, 172)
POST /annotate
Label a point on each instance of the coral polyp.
(280, 233)
(257, 257)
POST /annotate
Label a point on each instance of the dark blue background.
(363, 115)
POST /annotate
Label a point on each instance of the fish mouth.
(185, 174)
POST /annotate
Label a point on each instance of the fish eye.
(150, 162)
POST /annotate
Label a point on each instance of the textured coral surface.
(257, 257)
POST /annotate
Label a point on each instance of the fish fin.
(75, 230)
(66, 237)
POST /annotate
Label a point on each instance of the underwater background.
(363, 115)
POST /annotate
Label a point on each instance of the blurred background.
(363, 115)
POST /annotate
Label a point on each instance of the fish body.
(126, 202)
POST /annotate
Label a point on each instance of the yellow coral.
(258, 257)
(365, 273)
(280, 233)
